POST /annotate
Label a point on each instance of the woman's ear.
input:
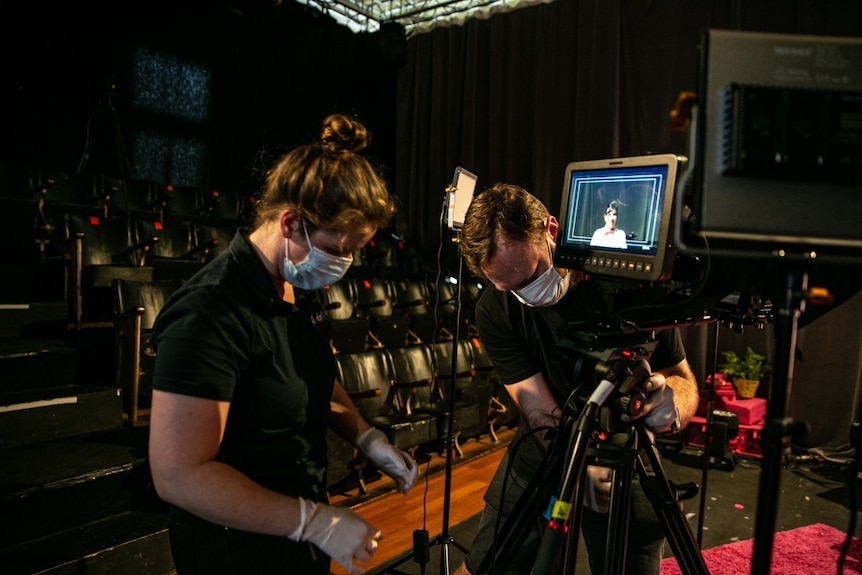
(289, 222)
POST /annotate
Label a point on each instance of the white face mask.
(317, 270)
(545, 290)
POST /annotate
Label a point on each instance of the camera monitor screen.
(615, 217)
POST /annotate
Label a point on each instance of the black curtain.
(518, 96)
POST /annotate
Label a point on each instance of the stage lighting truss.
(414, 15)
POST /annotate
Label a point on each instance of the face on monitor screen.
(615, 213)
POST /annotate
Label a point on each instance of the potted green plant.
(745, 372)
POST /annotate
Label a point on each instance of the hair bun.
(341, 134)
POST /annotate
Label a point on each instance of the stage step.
(28, 363)
(132, 543)
(56, 485)
(44, 414)
(32, 319)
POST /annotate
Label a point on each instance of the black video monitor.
(615, 218)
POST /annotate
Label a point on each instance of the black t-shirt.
(226, 335)
(522, 341)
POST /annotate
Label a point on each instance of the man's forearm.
(686, 395)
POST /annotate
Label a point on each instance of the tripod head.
(618, 363)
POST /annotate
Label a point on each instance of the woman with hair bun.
(244, 385)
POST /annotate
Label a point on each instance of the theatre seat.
(412, 300)
(416, 382)
(222, 207)
(368, 379)
(472, 395)
(211, 240)
(375, 298)
(136, 305)
(348, 330)
(100, 250)
(169, 246)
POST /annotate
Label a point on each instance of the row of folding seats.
(404, 390)
(112, 196)
(70, 236)
(376, 312)
(387, 257)
(103, 249)
(405, 348)
(408, 392)
(116, 250)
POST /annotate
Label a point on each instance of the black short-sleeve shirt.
(522, 341)
(226, 335)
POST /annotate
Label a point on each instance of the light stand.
(445, 539)
(777, 428)
(457, 198)
(105, 111)
(467, 182)
(707, 440)
(736, 319)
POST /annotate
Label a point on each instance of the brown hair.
(332, 186)
(501, 211)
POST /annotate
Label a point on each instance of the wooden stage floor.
(398, 516)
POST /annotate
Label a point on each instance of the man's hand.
(597, 494)
(659, 412)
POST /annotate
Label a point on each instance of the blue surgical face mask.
(545, 290)
(317, 270)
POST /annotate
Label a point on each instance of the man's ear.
(289, 222)
(552, 226)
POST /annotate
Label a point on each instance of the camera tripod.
(626, 449)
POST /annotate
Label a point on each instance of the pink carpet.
(811, 550)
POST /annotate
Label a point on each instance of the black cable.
(695, 288)
(513, 453)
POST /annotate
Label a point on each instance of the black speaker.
(392, 43)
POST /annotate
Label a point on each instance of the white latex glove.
(597, 493)
(659, 413)
(394, 462)
(338, 532)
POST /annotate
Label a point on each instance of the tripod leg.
(619, 455)
(521, 519)
(668, 509)
(552, 550)
(619, 514)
